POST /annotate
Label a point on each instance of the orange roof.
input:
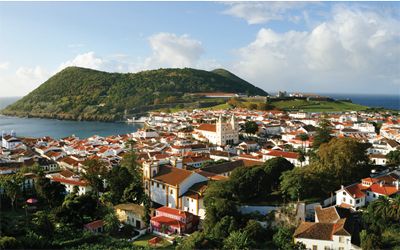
(207, 127)
(283, 154)
(384, 189)
(69, 181)
(173, 211)
(94, 224)
(171, 175)
(355, 190)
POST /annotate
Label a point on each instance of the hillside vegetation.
(85, 94)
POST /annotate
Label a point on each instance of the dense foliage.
(85, 94)
(382, 225)
(341, 161)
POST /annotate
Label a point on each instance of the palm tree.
(381, 207)
(302, 157)
(303, 137)
(395, 208)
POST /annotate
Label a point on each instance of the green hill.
(85, 94)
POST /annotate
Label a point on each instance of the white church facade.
(221, 133)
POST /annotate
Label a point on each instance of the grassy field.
(317, 106)
(143, 242)
(289, 105)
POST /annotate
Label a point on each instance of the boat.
(142, 119)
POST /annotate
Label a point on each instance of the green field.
(317, 106)
(287, 105)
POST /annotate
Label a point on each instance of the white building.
(330, 230)
(166, 185)
(358, 195)
(10, 141)
(221, 133)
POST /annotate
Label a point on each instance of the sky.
(313, 47)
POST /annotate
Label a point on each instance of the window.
(341, 248)
(351, 201)
(158, 185)
(344, 193)
(341, 239)
(357, 201)
(344, 199)
(326, 248)
(172, 191)
(314, 247)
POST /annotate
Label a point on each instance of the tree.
(11, 185)
(251, 127)
(302, 157)
(219, 202)
(274, 168)
(303, 137)
(111, 222)
(283, 239)
(323, 133)
(95, 173)
(393, 157)
(252, 106)
(134, 192)
(370, 241)
(345, 160)
(238, 240)
(223, 228)
(118, 179)
(43, 223)
(255, 231)
(7, 242)
(293, 183)
(233, 102)
(52, 192)
(77, 210)
(197, 240)
(248, 183)
(147, 205)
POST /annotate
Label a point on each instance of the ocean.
(371, 100)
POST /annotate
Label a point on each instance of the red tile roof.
(283, 154)
(173, 211)
(70, 182)
(384, 189)
(171, 175)
(94, 224)
(207, 127)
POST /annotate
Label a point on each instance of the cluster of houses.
(181, 152)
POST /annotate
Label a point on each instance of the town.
(233, 179)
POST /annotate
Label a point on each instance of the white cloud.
(22, 81)
(170, 50)
(349, 52)
(263, 12)
(86, 60)
(34, 73)
(4, 65)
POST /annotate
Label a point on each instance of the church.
(221, 133)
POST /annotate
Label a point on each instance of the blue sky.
(295, 46)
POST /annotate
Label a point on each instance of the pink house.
(173, 221)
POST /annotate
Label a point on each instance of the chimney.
(341, 187)
(398, 185)
(381, 183)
